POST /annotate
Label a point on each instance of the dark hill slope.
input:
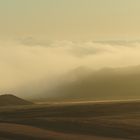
(8, 100)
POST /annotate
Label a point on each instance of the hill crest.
(9, 99)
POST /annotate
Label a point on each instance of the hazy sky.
(43, 39)
(70, 19)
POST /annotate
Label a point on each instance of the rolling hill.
(10, 100)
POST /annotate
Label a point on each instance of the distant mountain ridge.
(11, 100)
(104, 84)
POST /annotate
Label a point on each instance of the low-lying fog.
(32, 68)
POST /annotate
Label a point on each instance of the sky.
(70, 19)
(46, 39)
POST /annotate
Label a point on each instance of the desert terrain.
(118, 120)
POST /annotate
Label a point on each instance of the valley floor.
(14, 131)
(83, 121)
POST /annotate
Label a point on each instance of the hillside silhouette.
(9, 99)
